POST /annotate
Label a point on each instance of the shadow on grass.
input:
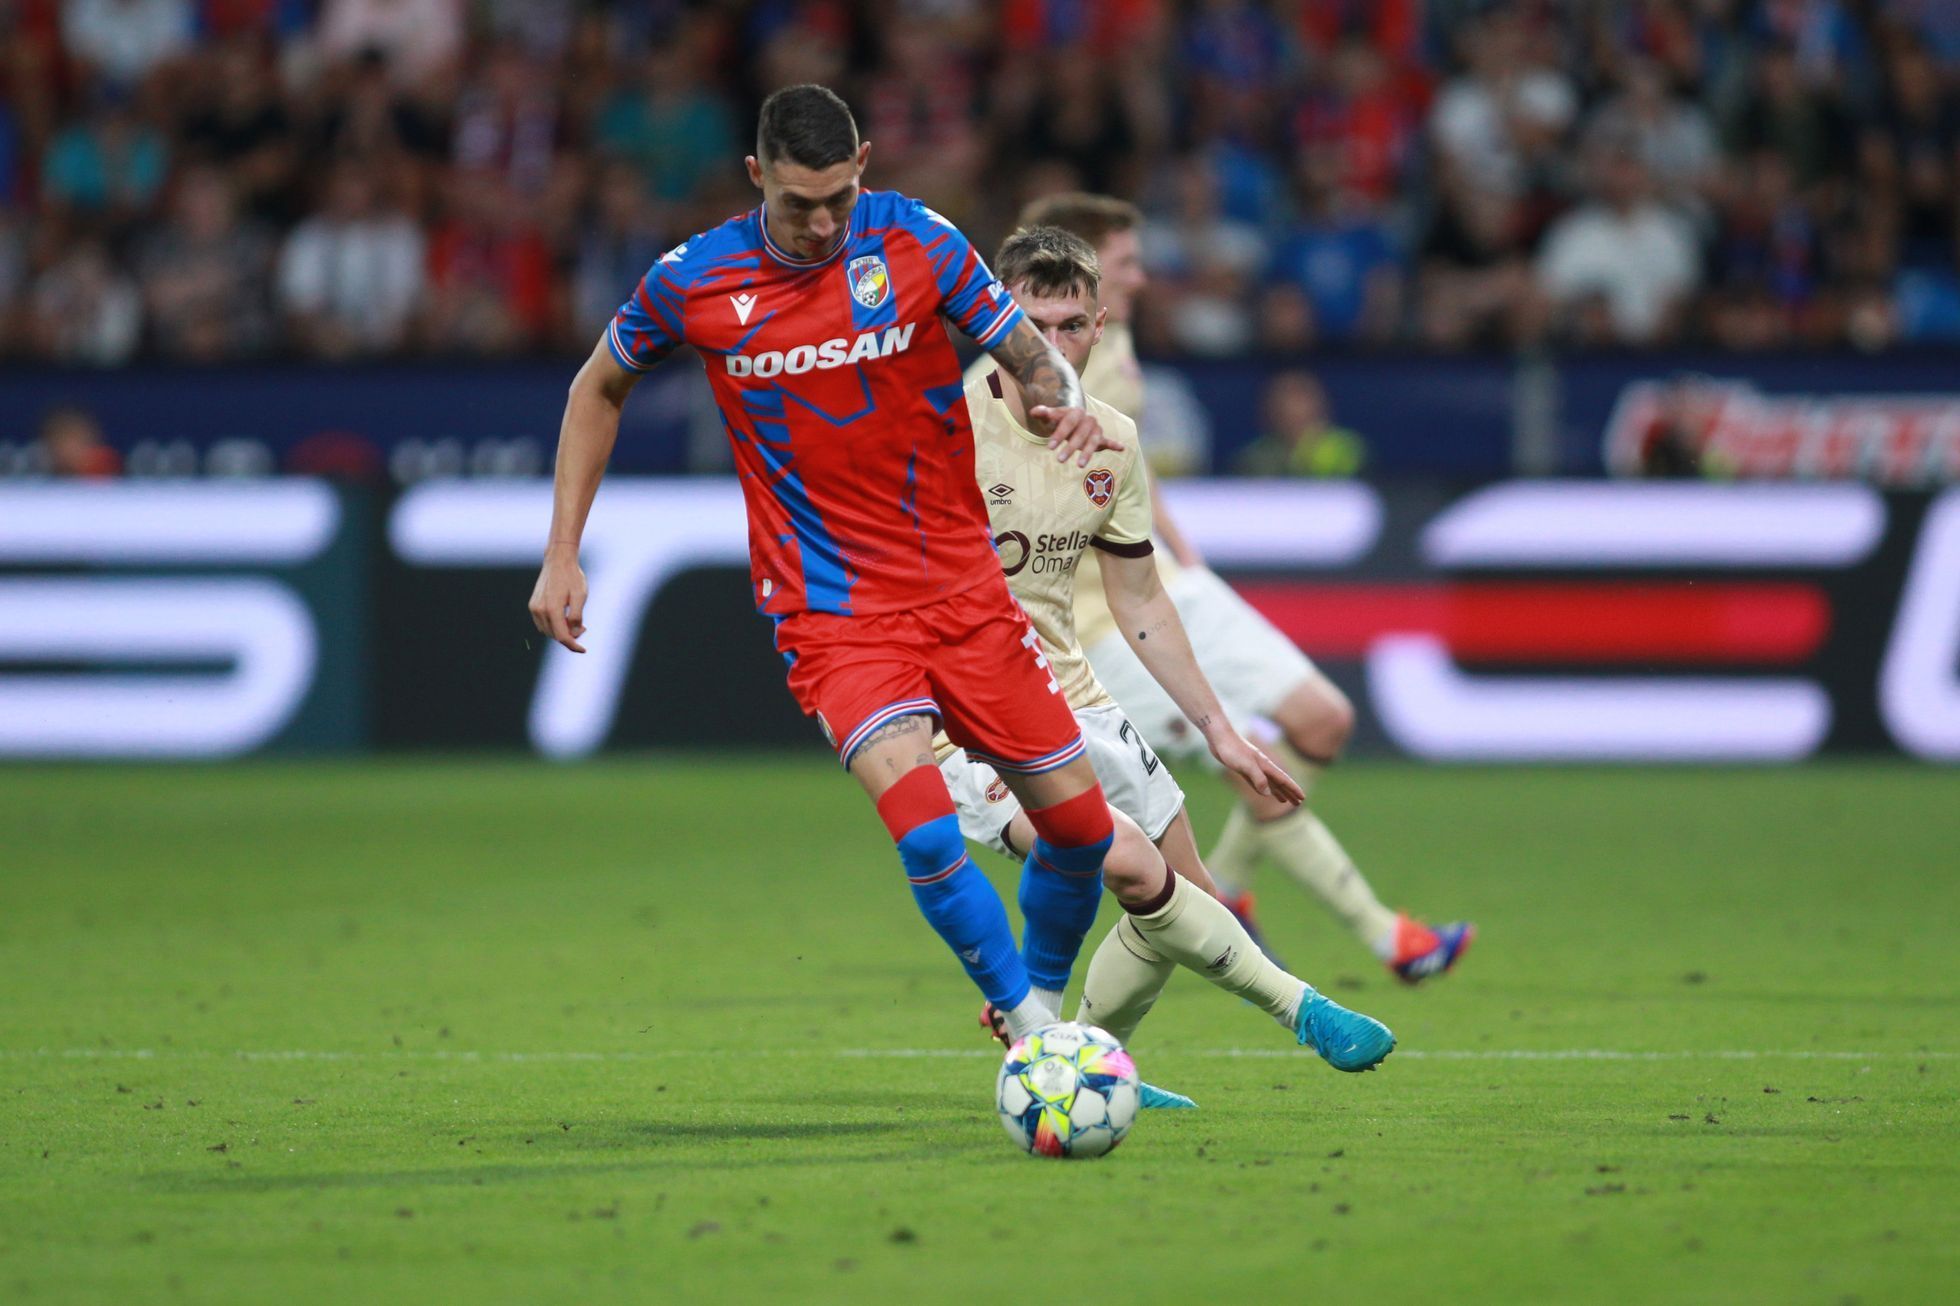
(645, 1139)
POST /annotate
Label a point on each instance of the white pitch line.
(1410, 1054)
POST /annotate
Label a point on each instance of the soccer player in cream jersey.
(1047, 518)
(1260, 674)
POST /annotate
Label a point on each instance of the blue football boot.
(1345, 1040)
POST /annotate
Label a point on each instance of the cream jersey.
(1046, 516)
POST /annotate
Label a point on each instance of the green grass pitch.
(669, 1030)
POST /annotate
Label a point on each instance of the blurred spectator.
(671, 126)
(489, 273)
(1366, 118)
(1500, 124)
(1341, 256)
(1910, 157)
(72, 445)
(1299, 437)
(919, 110)
(351, 276)
(507, 121)
(374, 120)
(1786, 114)
(1203, 264)
(107, 165)
(619, 245)
(1672, 137)
(1475, 271)
(1618, 269)
(240, 125)
(1072, 110)
(1767, 259)
(82, 309)
(420, 39)
(126, 39)
(206, 275)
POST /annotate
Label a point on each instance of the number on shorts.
(1129, 732)
(1032, 642)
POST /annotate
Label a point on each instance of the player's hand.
(558, 599)
(1237, 754)
(1072, 431)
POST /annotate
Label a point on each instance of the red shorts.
(970, 659)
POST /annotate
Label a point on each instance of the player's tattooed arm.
(1045, 376)
(1052, 393)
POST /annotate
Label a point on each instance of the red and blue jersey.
(840, 392)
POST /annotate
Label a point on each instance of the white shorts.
(1134, 780)
(1251, 665)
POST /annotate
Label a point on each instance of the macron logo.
(744, 305)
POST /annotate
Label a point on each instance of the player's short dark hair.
(1049, 262)
(807, 125)
(1095, 218)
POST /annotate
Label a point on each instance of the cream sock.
(1195, 930)
(1125, 977)
(1238, 852)
(1308, 851)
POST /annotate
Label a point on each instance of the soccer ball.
(1067, 1090)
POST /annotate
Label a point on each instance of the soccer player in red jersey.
(816, 315)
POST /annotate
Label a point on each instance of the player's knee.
(1318, 719)
(919, 813)
(1133, 867)
(1074, 835)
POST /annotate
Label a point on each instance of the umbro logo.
(1000, 493)
(744, 305)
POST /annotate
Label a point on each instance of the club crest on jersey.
(997, 791)
(871, 282)
(1100, 486)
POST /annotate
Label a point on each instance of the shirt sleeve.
(648, 325)
(1129, 521)
(969, 293)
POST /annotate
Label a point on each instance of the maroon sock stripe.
(1159, 901)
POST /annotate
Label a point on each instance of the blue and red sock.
(1061, 884)
(954, 896)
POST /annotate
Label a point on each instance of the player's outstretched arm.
(585, 441)
(1150, 623)
(1052, 394)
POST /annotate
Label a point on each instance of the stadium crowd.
(214, 180)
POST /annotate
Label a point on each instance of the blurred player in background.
(1260, 673)
(1047, 517)
(817, 315)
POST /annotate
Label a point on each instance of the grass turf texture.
(466, 1031)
